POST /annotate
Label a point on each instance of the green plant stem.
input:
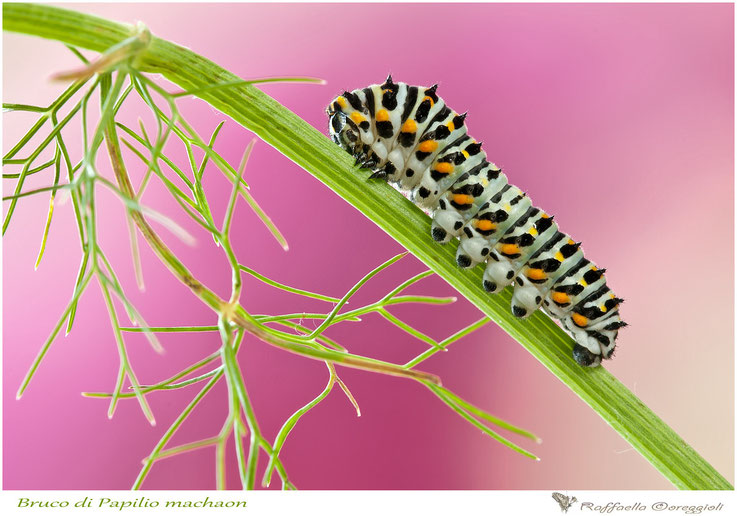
(310, 149)
(287, 288)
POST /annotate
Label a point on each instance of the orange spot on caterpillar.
(382, 115)
(510, 249)
(462, 199)
(485, 225)
(444, 168)
(561, 298)
(580, 320)
(428, 146)
(536, 274)
(410, 126)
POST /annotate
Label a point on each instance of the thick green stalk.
(309, 148)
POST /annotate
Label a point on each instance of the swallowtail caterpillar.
(409, 137)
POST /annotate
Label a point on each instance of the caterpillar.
(407, 136)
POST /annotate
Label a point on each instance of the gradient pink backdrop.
(616, 118)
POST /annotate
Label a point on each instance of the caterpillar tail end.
(585, 357)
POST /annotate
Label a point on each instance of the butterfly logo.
(564, 501)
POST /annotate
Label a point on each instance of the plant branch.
(238, 316)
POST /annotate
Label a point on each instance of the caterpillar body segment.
(408, 136)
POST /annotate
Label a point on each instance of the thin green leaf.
(125, 363)
(427, 300)
(447, 342)
(171, 329)
(145, 389)
(184, 448)
(292, 421)
(406, 284)
(37, 191)
(149, 461)
(133, 314)
(282, 286)
(32, 171)
(474, 410)
(350, 293)
(23, 107)
(55, 105)
(234, 195)
(45, 348)
(265, 219)
(485, 429)
(78, 54)
(80, 276)
(47, 226)
(198, 190)
(409, 329)
(169, 381)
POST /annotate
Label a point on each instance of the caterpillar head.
(345, 113)
(343, 130)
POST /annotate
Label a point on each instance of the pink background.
(618, 119)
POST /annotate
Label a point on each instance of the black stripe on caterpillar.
(408, 136)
